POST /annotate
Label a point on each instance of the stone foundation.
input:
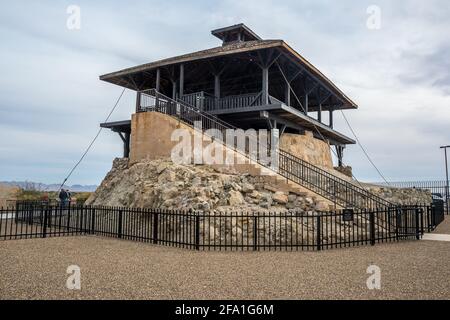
(401, 196)
(162, 184)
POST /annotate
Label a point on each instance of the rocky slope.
(162, 184)
(401, 196)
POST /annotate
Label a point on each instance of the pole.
(446, 177)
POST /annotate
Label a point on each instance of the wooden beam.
(265, 85)
(287, 94)
(158, 79)
(138, 101)
(181, 79)
(340, 154)
(319, 113)
(174, 89)
(306, 103)
(331, 118)
(217, 86)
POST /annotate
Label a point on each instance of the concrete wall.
(151, 138)
(308, 148)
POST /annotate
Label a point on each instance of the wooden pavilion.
(248, 82)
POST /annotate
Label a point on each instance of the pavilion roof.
(224, 50)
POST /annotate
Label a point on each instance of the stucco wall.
(308, 148)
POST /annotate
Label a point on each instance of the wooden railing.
(196, 99)
(204, 101)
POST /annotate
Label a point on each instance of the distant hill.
(38, 186)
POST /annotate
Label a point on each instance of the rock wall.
(160, 183)
(401, 196)
(308, 148)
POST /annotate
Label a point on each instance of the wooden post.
(158, 79)
(216, 86)
(126, 145)
(287, 95)
(181, 79)
(265, 85)
(138, 101)
(174, 89)
(306, 104)
(331, 118)
(319, 113)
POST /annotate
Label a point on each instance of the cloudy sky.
(51, 100)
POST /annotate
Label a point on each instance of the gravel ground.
(444, 226)
(118, 269)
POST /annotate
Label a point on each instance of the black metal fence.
(222, 231)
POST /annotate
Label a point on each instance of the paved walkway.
(444, 226)
(442, 232)
(436, 237)
(119, 269)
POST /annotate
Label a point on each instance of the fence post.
(255, 233)
(44, 227)
(119, 227)
(422, 229)
(372, 227)
(61, 208)
(81, 220)
(318, 238)
(155, 227)
(197, 232)
(417, 211)
(17, 213)
(397, 222)
(93, 221)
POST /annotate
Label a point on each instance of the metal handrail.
(320, 181)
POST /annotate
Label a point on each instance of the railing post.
(16, 209)
(68, 216)
(417, 211)
(397, 223)
(318, 236)
(372, 227)
(81, 220)
(406, 223)
(197, 232)
(119, 227)
(429, 213)
(255, 233)
(44, 227)
(155, 227)
(422, 229)
(93, 221)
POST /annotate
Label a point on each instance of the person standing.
(63, 197)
